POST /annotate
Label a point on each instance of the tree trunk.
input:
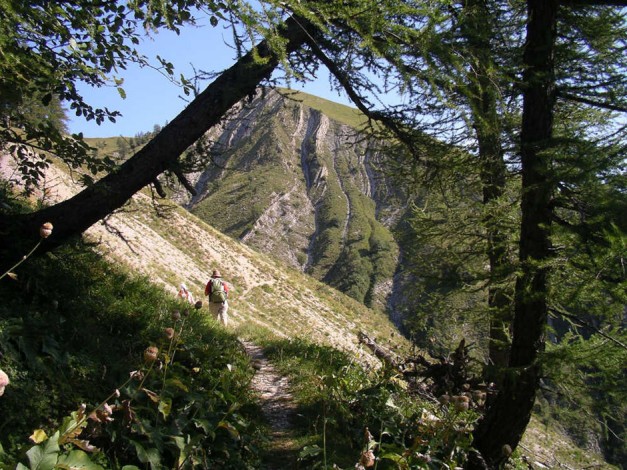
(486, 121)
(75, 215)
(504, 424)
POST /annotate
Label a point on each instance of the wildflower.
(137, 374)
(45, 230)
(198, 305)
(427, 417)
(150, 354)
(101, 416)
(367, 459)
(176, 315)
(461, 402)
(169, 333)
(479, 397)
(4, 381)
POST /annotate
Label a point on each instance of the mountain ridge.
(304, 188)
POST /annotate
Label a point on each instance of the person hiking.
(185, 294)
(217, 292)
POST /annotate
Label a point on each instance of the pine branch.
(592, 3)
(578, 321)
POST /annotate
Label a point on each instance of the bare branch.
(184, 181)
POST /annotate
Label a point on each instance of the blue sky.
(150, 97)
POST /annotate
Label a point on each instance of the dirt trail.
(278, 408)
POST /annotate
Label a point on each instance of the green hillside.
(338, 112)
(299, 194)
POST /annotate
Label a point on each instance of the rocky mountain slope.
(169, 245)
(291, 176)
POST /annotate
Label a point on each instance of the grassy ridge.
(335, 111)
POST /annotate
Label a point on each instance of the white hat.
(183, 286)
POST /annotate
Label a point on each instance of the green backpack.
(218, 294)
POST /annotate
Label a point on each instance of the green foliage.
(71, 332)
(586, 392)
(352, 411)
(446, 265)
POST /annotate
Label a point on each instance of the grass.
(338, 112)
(73, 328)
(310, 368)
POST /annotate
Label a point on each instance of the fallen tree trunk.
(387, 357)
(75, 215)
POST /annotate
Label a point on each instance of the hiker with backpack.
(217, 292)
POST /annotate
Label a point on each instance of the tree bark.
(509, 414)
(75, 215)
(487, 124)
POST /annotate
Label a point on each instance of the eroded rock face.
(293, 182)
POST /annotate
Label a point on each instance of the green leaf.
(204, 424)
(152, 395)
(44, 456)
(179, 441)
(150, 456)
(392, 456)
(230, 428)
(122, 93)
(165, 406)
(177, 383)
(77, 459)
(310, 451)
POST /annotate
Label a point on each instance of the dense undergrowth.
(107, 370)
(352, 417)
